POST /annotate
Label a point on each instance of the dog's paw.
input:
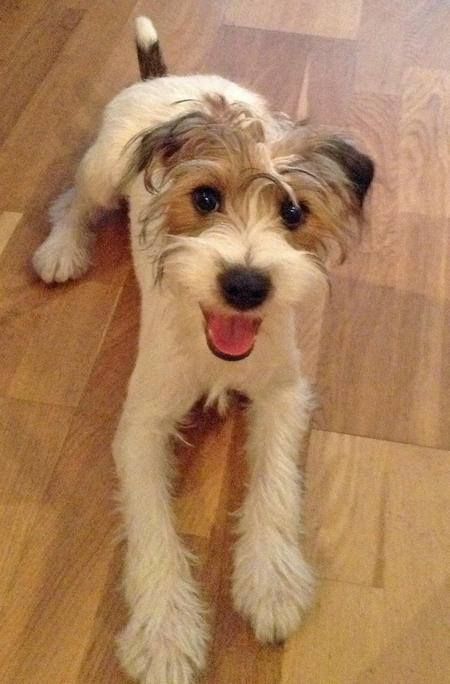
(171, 648)
(59, 259)
(272, 589)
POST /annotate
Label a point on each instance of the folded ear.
(162, 144)
(207, 132)
(357, 167)
(331, 177)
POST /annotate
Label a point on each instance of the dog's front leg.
(166, 637)
(272, 583)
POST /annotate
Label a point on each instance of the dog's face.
(246, 220)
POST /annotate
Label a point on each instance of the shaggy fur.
(161, 143)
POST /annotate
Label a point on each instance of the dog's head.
(247, 220)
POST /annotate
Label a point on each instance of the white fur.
(146, 34)
(165, 641)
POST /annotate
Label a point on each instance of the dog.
(232, 208)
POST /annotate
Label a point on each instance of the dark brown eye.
(206, 199)
(293, 214)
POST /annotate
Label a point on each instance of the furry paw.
(272, 589)
(169, 649)
(59, 259)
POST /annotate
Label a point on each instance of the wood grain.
(8, 224)
(328, 66)
(382, 613)
(383, 369)
(377, 505)
(425, 131)
(322, 18)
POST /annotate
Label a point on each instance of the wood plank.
(326, 64)
(385, 346)
(425, 131)
(202, 462)
(394, 36)
(31, 60)
(64, 108)
(328, 18)
(65, 563)
(345, 507)
(417, 566)
(31, 436)
(8, 223)
(381, 46)
(234, 651)
(333, 645)
(50, 336)
(106, 387)
(189, 31)
(429, 26)
(373, 120)
(383, 526)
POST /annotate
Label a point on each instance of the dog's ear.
(214, 129)
(330, 177)
(357, 166)
(162, 144)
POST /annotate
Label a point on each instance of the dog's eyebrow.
(297, 169)
(265, 175)
(188, 99)
(280, 184)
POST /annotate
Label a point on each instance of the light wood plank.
(381, 46)
(65, 563)
(424, 147)
(374, 121)
(345, 507)
(31, 436)
(321, 18)
(39, 49)
(234, 651)
(64, 108)
(106, 388)
(8, 223)
(189, 31)
(50, 335)
(385, 346)
(283, 65)
(340, 639)
(389, 620)
(202, 461)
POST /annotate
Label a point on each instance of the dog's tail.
(151, 63)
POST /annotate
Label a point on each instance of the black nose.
(244, 288)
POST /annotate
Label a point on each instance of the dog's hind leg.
(65, 254)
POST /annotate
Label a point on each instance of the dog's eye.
(206, 199)
(293, 214)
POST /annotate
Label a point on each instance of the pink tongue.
(232, 335)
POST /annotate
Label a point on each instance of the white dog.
(230, 206)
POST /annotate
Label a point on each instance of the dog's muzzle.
(232, 336)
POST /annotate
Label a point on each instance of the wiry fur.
(159, 141)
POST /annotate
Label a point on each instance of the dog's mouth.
(230, 337)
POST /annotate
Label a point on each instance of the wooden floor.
(378, 465)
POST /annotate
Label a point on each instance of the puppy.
(231, 208)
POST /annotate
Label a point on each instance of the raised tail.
(151, 63)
